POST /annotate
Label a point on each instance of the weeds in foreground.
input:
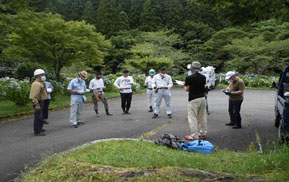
(144, 155)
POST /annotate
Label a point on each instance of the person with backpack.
(97, 85)
(162, 83)
(150, 91)
(195, 84)
(124, 84)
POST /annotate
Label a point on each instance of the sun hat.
(83, 75)
(196, 66)
(230, 74)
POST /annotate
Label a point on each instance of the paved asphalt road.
(20, 148)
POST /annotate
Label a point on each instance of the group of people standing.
(158, 87)
(198, 92)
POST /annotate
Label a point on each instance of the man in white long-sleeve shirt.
(97, 85)
(124, 84)
(162, 83)
(150, 91)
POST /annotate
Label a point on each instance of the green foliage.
(26, 70)
(156, 49)
(148, 19)
(88, 13)
(147, 63)
(120, 50)
(48, 39)
(18, 92)
(247, 11)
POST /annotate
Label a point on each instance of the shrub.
(18, 92)
(26, 70)
(60, 88)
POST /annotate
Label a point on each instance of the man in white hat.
(38, 95)
(235, 92)
(77, 88)
(162, 83)
(150, 91)
(195, 84)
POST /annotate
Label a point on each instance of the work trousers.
(150, 97)
(234, 111)
(166, 94)
(76, 112)
(46, 108)
(197, 117)
(38, 118)
(102, 99)
(207, 106)
(126, 101)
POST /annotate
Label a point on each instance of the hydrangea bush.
(15, 90)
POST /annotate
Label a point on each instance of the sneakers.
(126, 112)
(203, 137)
(97, 115)
(45, 122)
(74, 126)
(230, 124)
(189, 137)
(170, 115)
(80, 123)
(236, 127)
(155, 115)
(151, 109)
(39, 134)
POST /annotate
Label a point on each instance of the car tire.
(277, 120)
(283, 136)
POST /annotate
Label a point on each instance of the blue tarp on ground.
(201, 146)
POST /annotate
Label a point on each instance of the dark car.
(282, 106)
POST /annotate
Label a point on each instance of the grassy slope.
(82, 164)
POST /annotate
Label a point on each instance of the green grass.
(81, 164)
(9, 110)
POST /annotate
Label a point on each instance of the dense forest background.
(63, 36)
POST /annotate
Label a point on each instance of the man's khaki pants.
(197, 117)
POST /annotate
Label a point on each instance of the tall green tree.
(158, 46)
(172, 13)
(149, 21)
(50, 40)
(123, 21)
(134, 13)
(89, 13)
(107, 17)
(240, 12)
